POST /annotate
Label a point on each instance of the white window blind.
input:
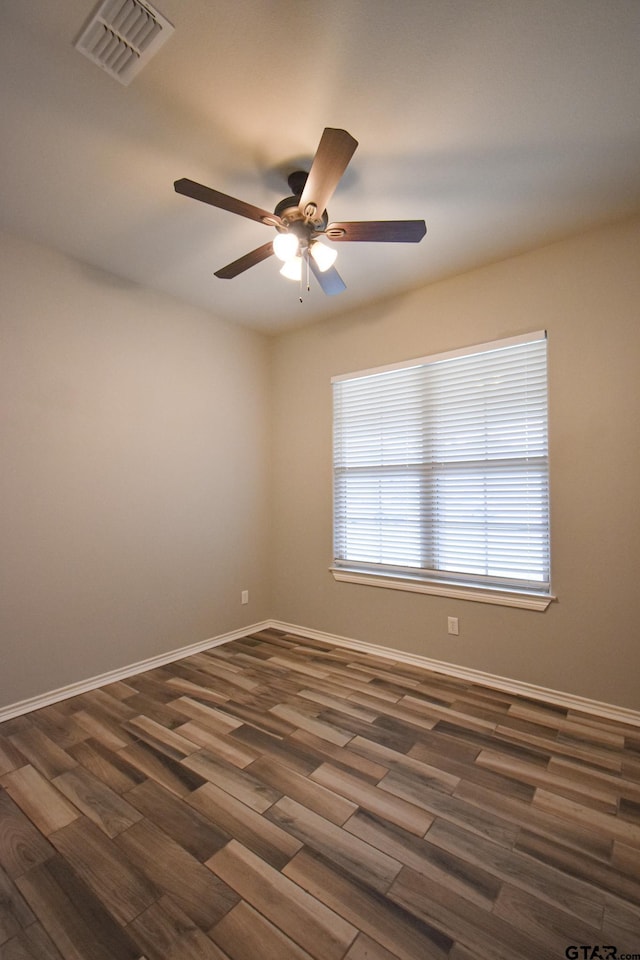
(441, 471)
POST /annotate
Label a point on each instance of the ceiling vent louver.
(122, 36)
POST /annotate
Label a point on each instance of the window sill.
(503, 598)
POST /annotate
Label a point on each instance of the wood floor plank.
(32, 943)
(297, 666)
(388, 924)
(621, 925)
(307, 921)
(15, 913)
(423, 772)
(289, 753)
(364, 948)
(576, 730)
(195, 691)
(444, 747)
(324, 699)
(160, 709)
(221, 670)
(102, 729)
(456, 718)
(198, 835)
(546, 714)
(384, 729)
(112, 769)
(298, 719)
(155, 734)
(541, 880)
(244, 933)
(16, 948)
(523, 815)
(469, 771)
(240, 784)
(403, 710)
(312, 795)
(465, 922)
(10, 756)
(625, 858)
(613, 828)
(596, 795)
(108, 810)
(463, 875)
(106, 704)
(169, 868)
(257, 717)
(605, 759)
(73, 916)
(629, 810)
(152, 684)
(22, 846)
(114, 879)
(42, 752)
(169, 773)
(58, 726)
(395, 809)
(206, 716)
(164, 932)
(120, 689)
(341, 757)
(576, 863)
(487, 740)
(345, 851)
(223, 747)
(267, 840)
(42, 802)
(451, 807)
(543, 922)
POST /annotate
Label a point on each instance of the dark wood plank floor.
(277, 798)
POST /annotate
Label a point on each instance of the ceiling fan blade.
(389, 231)
(243, 263)
(189, 188)
(330, 280)
(334, 151)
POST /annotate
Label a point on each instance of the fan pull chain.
(306, 259)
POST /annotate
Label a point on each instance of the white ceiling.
(504, 124)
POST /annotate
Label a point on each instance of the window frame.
(505, 591)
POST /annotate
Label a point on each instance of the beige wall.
(137, 498)
(586, 293)
(133, 488)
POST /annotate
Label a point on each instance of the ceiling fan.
(301, 220)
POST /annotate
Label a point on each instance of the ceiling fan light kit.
(302, 219)
(292, 268)
(285, 246)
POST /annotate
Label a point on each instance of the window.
(441, 474)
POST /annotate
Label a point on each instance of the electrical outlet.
(452, 626)
(244, 596)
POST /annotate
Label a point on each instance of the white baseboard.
(122, 673)
(571, 701)
(568, 700)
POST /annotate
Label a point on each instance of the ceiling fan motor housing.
(302, 223)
